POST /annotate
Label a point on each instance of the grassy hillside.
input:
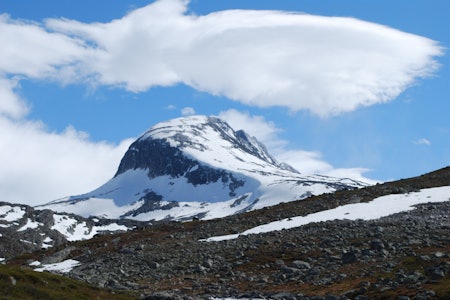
(20, 283)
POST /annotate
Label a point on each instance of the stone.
(290, 270)
(153, 265)
(299, 264)
(435, 273)
(348, 258)
(209, 263)
(376, 245)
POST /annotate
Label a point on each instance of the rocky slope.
(401, 256)
(196, 167)
(24, 229)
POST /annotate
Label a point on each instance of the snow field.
(375, 209)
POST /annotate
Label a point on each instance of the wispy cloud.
(422, 141)
(188, 111)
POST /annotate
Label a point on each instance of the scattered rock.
(388, 256)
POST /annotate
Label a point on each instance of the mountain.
(196, 167)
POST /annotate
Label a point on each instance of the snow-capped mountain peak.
(206, 137)
(197, 166)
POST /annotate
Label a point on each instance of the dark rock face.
(152, 201)
(160, 158)
(157, 156)
(254, 147)
(204, 175)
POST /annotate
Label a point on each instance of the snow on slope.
(188, 210)
(92, 206)
(75, 230)
(182, 211)
(10, 213)
(185, 210)
(375, 209)
(196, 166)
(62, 267)
(29, 226)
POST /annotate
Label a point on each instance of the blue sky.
(366, 94)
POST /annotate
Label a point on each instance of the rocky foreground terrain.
(403, 256)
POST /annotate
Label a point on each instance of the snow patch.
(30, 225)
(27, 242)
(11, 213)
(74, 230)
(63, 267)
(375, 209)
(47, 243)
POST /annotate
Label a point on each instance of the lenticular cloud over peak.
(327, 65)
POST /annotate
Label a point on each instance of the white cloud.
(38, 166)
(422, 141)
(188, 111)
(307, 162)
(31, 50)
(327, 65)
(11, 104)
(171, 107)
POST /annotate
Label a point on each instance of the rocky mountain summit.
(196, 167)
(400, 256)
